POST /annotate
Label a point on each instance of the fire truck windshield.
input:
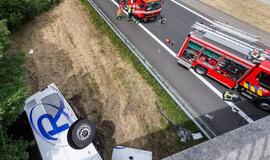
(264, 80)
(152, 6)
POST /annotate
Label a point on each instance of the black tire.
(262, 104)
(81, 133)
(200, 70)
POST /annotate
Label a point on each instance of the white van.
(58, 131)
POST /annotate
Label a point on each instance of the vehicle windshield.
(264, 80)
(152, 6)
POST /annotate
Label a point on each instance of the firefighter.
(161, 2)
(119, 11)
(130, 11)
(231, 96)
(162, 20)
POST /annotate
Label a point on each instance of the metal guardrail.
(180, 101)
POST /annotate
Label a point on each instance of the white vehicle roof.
(125, 153)
(50, 117)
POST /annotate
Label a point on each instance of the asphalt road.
(200, 97)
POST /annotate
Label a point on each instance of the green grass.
(167, 105)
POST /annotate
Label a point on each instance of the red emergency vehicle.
(232, 62)
(145, 9)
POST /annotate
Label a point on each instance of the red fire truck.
(145, 9)
(231, 61)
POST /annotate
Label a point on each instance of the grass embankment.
(167, 105)
(253, 12)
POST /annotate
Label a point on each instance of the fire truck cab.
(145, 9)
(257, 83)
(231, 61)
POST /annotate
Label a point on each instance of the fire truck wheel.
(263, 104)
(200, 70)
(81, 133)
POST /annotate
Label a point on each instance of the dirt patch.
(88, 70)
(253, 12)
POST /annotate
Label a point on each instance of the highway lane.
(177, 26)
(201, 98)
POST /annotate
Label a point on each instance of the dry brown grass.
(82, 61)
(253, 12)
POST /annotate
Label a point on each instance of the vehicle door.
(258, 82)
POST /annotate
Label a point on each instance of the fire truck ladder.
(235, 31)
(251, 48)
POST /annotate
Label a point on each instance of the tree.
(16, 12)
(12, 11)
(4, 33)
(13, 149)
(13, 88)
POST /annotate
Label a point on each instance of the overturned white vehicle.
(58, 131)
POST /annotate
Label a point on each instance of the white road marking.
(210, 117)
(208, 84)
(219, 94)
(159, 41)
(153, 36)
(194, 12)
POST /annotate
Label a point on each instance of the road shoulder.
(226, 18)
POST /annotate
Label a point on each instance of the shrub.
(12, 149)
(19, 11)
(3, 37)
(13, 88)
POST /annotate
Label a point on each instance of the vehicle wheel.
(263, 104)
(81, 133)
(200, 70)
